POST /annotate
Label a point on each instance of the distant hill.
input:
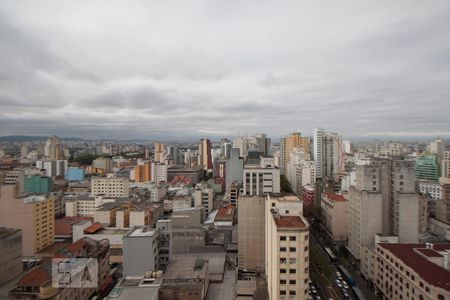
(29, 138)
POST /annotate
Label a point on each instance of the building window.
(282, 249)
(283, 271)
(282, 281)
(292, 282)
(282, 238)
(292, 249)
(292, 271)
(292, 293)
(292, 238)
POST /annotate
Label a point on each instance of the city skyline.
(137, 70)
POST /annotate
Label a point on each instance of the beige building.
(260, 180)
(251, 233)
(294, 140)
(335, 216)
(384, 200)
(34, 215)
(160, 152)
(110, 187)
(103, 163)
(412, 271)
(205, 197)
(287, 251)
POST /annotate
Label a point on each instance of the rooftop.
(141, 232)
(427, 270)
(335, 197)
(226, 213)
(289, 221)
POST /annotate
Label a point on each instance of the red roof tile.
(289, 221)
(75, 247)
(225, 213)
(37, 276)
(63, 226)
(428, 271)
(93, 228)
(335, 197)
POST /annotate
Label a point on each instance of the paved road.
(368, 294)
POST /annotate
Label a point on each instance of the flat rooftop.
(140, 232)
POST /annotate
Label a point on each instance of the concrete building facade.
(287, 252)
(34, 215)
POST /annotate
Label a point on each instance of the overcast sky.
(149, 69)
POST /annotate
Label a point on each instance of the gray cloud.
(136, 69)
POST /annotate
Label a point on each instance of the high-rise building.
(328, 154)
(445, 165)
(438, 147)
(234, 169)
(226, 146)
(383, 200)
(159, 173)
(143, 172)
(34, 215)
(427, 167)
(287, 249)
(53, 167)
(251, 234)
(110, 187)
(204, 154)
(334, 215)
(241, 143)
(36, 184)
(24, 149)
(53, 149)
(263, 143)
(160, 150)
(294, 140)
(262, 179)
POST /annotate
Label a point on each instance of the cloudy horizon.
(140, 69)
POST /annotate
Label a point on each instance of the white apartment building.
(259, 180)
(431, 188)
(159, 173)
(110, 187)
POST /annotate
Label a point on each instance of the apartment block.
(36, 184)
(260, 180)
(34, 215)
(251, 233)
(204, 197)
(412, 271)
(287, 252)
(334, 209)
(110, 187)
